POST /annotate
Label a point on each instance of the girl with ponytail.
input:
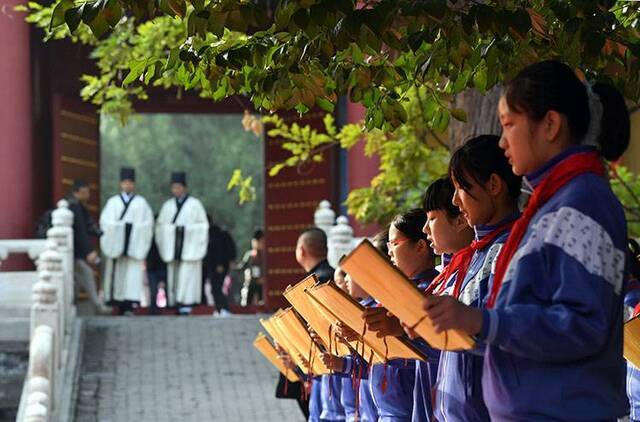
(552, 323)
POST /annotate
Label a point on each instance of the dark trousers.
(293, 390)
(217, 281)
(154, 277)
(255, 289)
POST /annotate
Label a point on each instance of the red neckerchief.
(461, 261)
(560, 175)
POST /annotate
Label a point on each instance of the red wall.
(16, 184)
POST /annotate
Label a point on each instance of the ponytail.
(551, 85)
(615, 126)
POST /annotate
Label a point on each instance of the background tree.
(207, 147)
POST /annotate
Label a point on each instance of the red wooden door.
(76, 148)
(291, 198)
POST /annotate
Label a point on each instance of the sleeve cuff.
(347, 365)
(489, 329)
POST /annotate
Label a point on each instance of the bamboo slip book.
(385, 283)
(268, 350)
(631, 350)
(347, 310)
(319, 321)
(283, 341)
(300, 337)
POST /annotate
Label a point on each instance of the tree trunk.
(482, 116)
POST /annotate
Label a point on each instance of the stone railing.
(52, 315)
(340, 240)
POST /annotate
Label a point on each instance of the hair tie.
(595, 117)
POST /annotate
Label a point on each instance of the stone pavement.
(162, 369)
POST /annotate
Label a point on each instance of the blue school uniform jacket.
(395, 404)
(554, 337)
(330, 393)
(426, 372)
(631, 299)
(315, 399)
(459, 390)
(348, 399)
(356, 368)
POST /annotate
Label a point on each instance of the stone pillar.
(40, 391)
(16, 169)
(341, 240)
(47, 308)
(324, 217)
(62, 235)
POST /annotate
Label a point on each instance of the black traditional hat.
(179, 177)
(127, 173)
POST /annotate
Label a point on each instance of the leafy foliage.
(626, 186)
(408, 163)
(304, 54)
(207, 147)
(392, 56)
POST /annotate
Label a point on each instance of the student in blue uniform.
(486, 193)
(393, 391)
(553, 320)
(351, 368)
(448, 232)
(632, 309)
(446, 228)
(354, 368)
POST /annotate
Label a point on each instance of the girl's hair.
(478, 159)
(551, 85)
(380, 241)
(410, 223)
(438, 196)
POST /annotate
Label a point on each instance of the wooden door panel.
(76, 148)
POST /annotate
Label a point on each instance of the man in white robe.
(127, 225)
(182, 234)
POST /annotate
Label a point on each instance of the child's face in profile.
(354, 290)
(443, 232)
(339, 279)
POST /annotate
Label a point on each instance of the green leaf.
(480, 79)
(356, 54)
(137, 69)
(458, 114)
(325, 104)
(99, 26)
(216, 23)
(276, 169)
(73, 17)
(198, 4)
(59, 12)
(112, 12)
(90, 10)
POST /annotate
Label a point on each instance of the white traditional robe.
(184, 273)
(126, 282)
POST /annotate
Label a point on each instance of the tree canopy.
(405, 61)
(302, 54)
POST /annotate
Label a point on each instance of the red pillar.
(16, 184)
(360, 168)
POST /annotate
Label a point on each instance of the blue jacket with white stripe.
(459, 390)
(554, 338)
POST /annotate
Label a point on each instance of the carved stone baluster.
(324, 217)
(341, 240)
(47, 306)
(62, 234)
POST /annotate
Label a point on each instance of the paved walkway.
(162, 369)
